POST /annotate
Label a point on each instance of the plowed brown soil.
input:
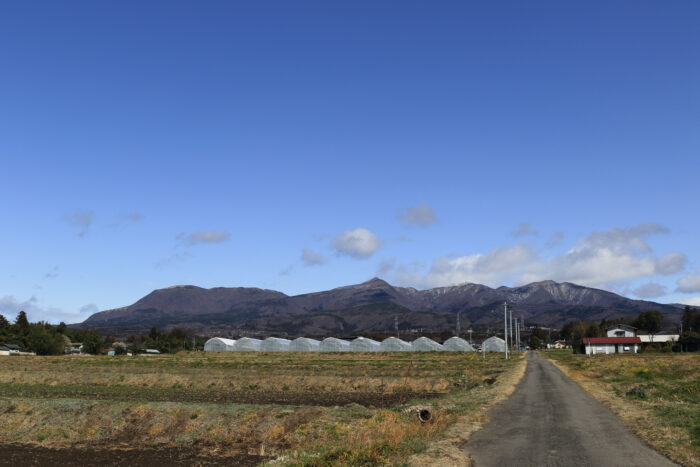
(23, 454)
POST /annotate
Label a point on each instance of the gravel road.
(550, 421)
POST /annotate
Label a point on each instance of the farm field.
(248, 408)
(656, 394)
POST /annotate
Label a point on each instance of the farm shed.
(364, 344)
(423, 344)
(394, 344)
(219, 344)
(246, 344)
(275, 344)
(304, 344)
(332, 344)
(457, 344)
(494, 344)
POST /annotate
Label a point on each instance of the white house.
(621, 330)
(608, 345)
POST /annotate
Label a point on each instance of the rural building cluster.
(624, 339)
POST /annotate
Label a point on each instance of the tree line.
(46, 339)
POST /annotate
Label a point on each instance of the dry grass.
(296, 435)
(667, 416)
(450, 451)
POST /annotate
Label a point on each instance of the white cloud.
(10, 306)
(689, 283)
(692, 301)
(650, 290)
(80, 219)
(386, 266)
(492, 268)
(359, 243)
(312, 258)
(208, 236)
(523, 229)
(89, 309)
(671, 263)
(555, 239)
(421, 215)
(597, 260)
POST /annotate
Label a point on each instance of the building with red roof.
(608, 345)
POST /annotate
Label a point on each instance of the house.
(10, 349)
(557, 345)
(611, 345)
(621, 330)
(73, 348)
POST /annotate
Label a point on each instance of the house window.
(620, 333)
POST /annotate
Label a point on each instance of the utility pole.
(458, 329)
(517, 338)
(505, 326)
(470, 336)
(511, 331)
(396, 326)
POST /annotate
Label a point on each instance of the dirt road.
(550, 421)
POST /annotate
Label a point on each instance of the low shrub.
(637, 392)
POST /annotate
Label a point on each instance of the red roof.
(612, 340)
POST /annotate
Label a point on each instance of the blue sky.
(301, 146)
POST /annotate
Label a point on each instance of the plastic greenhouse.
(332, 344)
(423, 344)
(364, 344)
(394, 344)
(275, 344)
(494, 344)
(457, 344)
(219, 344)
(304, 344)
(246, 344)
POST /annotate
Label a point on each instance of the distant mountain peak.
(370, 306)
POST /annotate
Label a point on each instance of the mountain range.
(369, 307)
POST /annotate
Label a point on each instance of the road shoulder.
(633, 416)
(450, 450)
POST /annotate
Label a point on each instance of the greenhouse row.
(333, 344)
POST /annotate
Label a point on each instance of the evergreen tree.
(650, 321)
(22, 323)
(92, 343)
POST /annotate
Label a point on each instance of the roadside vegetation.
(286, 408)
(658, 395)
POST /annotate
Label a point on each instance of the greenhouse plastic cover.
(275, 344)
(304, 344)
(332, 344)
(457, 344)
(423, 344)
(394, 344)
(219, 344)
(364, 344)
(494, 344)
(247, 344)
